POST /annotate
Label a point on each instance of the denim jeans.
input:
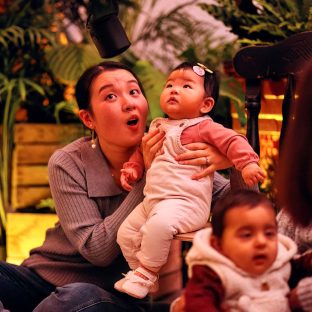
(84, 297)
(21, 289)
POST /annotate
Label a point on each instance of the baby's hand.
(252, 174)
(128, 176)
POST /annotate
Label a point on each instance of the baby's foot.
(138, 283)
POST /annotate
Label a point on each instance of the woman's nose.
(128, 105)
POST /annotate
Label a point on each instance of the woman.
(294, 183)
(81, 249)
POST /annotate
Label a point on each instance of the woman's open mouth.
(133, 121)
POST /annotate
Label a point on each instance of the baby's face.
(184, 95)
(249, 238)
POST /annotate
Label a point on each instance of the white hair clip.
(200, 69)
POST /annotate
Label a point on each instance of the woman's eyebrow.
(105, 87)
(133, 80)
(110, 85)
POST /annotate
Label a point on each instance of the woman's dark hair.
(294, 174)
(211, 80)
(248, 198)
(85, 81)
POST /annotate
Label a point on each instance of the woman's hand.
(300, 298)
(151, 145)
(203, 154)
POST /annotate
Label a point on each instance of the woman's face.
(119, 109)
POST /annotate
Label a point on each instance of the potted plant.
(262, 21)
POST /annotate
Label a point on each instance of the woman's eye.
(110, 97)
(134, 91)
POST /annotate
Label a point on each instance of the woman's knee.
(80, 297)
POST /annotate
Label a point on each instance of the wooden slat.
(188, 237)
(34, 154)
(30, 175)
(47, 133)
(29, 196)
(264, 124)
(34, 145)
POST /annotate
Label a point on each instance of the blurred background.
(46, 45)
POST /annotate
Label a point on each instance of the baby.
(174, 202)
(242, 263)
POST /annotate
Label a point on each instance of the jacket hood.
(201, 251)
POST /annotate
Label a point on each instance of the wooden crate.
(33, 146)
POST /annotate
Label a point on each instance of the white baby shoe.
(138, 285)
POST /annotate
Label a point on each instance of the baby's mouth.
(172, 100)
(260, 258)
(132, 121)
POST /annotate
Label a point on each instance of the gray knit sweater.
(82, 246)
(301, 235)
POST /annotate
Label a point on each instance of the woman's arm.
(89, 222)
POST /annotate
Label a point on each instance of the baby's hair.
(211, 78)
(247, 198)
(84, 83)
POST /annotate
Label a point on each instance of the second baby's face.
(249, 238)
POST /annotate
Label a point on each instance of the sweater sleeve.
(204, 291)
(230, 143)
(90, 230)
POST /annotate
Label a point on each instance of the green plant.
(21, 37)
(262, 21)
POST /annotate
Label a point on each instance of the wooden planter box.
(33, 146)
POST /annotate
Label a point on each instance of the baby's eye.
(168, 85)
(245, 234)
(110, 97)
(134, 91)
(187, 86)
(270, 233)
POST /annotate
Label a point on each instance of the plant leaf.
(69, 62)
